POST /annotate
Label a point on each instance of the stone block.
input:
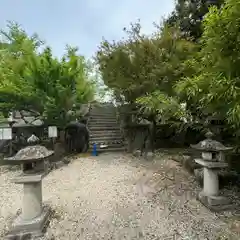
(149, 156)
(218, 200)
(137, 153)
(27, 178)
(23, 229)
(215, 203)
(209, 164)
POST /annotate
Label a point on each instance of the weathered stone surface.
(33, 139)
(207, 164)
(215, 203)
(210, 182)
(149, 155)
(210, 145)
(137, 153)
(32, 152)
(226, 177)
(218, 200)
(104, 128)
(22, 229)
(33, 217)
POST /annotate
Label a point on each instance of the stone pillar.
(32, 200)
(209, 196)
(211, 183)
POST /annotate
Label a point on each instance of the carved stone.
(34, 217)
(212, 162)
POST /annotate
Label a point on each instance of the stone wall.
(135, 129)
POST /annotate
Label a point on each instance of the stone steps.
(93, 110)
(104, 128)
(97, 128)
(115, 147)
(107, 133)
(104, 137)
(103, 116)
(102, 125)
(103, 119)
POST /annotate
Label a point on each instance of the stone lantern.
(34, 216)
(212, 160)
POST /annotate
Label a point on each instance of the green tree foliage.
(189, 15)
(36, 81)
(215, 88)
(141, 64)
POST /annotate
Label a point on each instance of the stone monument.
(212, 161)
(34, 217)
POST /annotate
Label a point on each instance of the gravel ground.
(116, 196)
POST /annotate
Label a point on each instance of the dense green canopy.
(162, 71)
(32, 79)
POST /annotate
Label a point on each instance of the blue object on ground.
(94, 152)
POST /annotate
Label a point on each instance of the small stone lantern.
(212, 161)
(34, 216)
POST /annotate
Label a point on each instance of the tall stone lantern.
(34, 216)
(212, 160)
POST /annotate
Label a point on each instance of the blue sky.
(82, 23)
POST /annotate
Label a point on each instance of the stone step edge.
(106, 138)
(110, 144)
(122, 149)
(102, 128)
(102, 124)
(105, 134)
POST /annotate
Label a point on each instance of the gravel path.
(115, 196)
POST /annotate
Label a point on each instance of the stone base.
(22, 229)
(145, 155)
(137, 153)
(215, 203)
(149, 156)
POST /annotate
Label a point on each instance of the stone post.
(32, 200)
(210, 182)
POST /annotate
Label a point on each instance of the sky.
(82, 23)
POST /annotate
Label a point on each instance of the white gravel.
(115, 196)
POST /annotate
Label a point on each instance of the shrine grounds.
(117, 196)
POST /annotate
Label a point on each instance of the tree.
(141, 64)
(189, 15)
(143, 69)
(214, 89)
(39, 82)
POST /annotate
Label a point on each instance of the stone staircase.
(104, 128)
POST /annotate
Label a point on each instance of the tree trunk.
(153, 128)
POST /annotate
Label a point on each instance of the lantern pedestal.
(34, 216)
(209, 196)
(34, 227)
